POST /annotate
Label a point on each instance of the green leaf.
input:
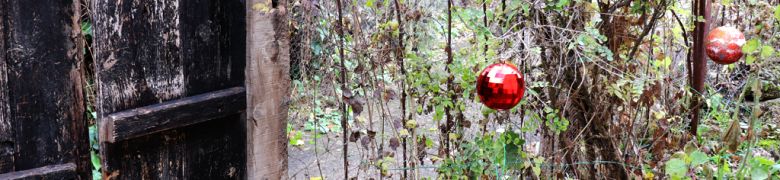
(698, 158)
(750, 59)
(93, 137)
(767, 51)
(452, 136)
(86, 28)
(297, 139)
(676, 168)
(775, 168)
(96, 175)
(759, 173)
(537, 169)
(700, 19)
(439, 113)
(763, 161)
(760, 168)
(724, 168)
(403, 133)
(411, 124)
(777, 13)
(561, 4)
(751, 46)
(95, 160)
(666, 62)
(428, 143)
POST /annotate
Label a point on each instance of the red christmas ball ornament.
(724, 45)
(500, 86)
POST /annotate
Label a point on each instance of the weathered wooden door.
(43, 127)
(170, 77)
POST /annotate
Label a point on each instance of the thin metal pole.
(701, 9)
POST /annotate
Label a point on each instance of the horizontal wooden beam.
(172, 114)
(59, 171)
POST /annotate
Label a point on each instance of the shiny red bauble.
(724, 45)
(500, 86)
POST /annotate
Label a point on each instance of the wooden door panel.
(170, 88)
(43, 127)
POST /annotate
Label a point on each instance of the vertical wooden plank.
(6, 131)
(268, 89)
(41, 100)
(140, 41)
(159, 50)
(213, 43)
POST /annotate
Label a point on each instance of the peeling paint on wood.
(42, 119)
(152, 52)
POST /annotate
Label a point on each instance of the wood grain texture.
(42, 118)
(173, 114)
(268, 89)
(150, 52)
(6, 130)
(59, 171)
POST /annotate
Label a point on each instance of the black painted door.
(170, 77)
(43, 127)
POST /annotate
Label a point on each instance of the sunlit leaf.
(403, 133)
(777, 13)
(767, 51)
(751, 46)
(411, 124)
(750, 59)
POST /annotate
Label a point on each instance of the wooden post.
(701, 8)
(267, 88)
